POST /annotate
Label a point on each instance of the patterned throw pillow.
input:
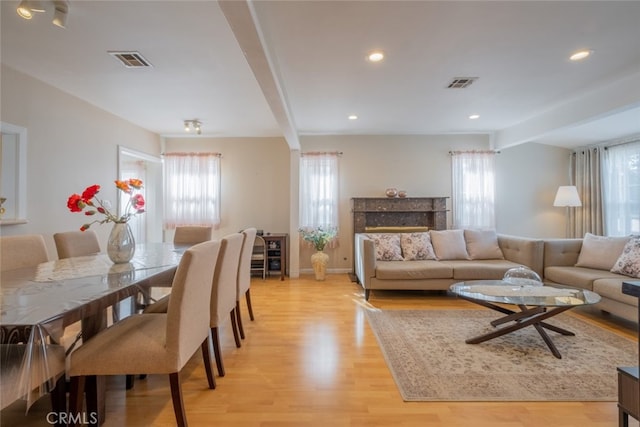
(387, 246)
(416, 246)
(629, 261)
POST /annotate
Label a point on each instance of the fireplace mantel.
(399, 212)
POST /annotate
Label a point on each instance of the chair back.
(76, 243)
(22, 251)
(225, 279)
(188, 310)
(244, 269)
(191, 234)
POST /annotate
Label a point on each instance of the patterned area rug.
(429, 360)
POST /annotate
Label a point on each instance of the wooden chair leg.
(234, 327)
(239, 318)
(249, 307)
(59, 397)
(206, 357)
(215, 339)
(76, 395)
(130, 381)
(178, 403)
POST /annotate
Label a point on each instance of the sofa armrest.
(561, 252)
(523, 250)
(365, 262)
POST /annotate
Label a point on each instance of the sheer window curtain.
(473, 195)
(586, 167)
(319, 176)
(191, 189)
(622, 189)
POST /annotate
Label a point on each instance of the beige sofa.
(567, 262)
(439, 274)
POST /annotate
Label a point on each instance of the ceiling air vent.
(461, 82)
(131, 59)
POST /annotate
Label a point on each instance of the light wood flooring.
(310, 359)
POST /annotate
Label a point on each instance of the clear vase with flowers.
(121, 244)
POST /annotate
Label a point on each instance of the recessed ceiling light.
(581, 54)
(376, 56)
(474, 116)
(353, 117)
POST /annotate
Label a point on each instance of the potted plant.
(318, 237)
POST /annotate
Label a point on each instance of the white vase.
(121, 245)
(319, 262)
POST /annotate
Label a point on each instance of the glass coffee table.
(536, 304)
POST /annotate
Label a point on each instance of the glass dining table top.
(499, 291)
(35, 295)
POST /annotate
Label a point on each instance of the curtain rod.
(320, 153)
(195, 154)
(453, 153)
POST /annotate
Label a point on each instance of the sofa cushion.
(416, 246)
(612, 289)
(577, 277)
(600, 252)
(482, 244)
(449, 244)
(491, 269)
(395, 270)
(629, 261)
(387, 246)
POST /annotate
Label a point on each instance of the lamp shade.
(567, 195)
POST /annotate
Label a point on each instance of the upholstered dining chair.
(76, 243)
(157, 343)
(22, 251)
(244, 276)
(191, 234)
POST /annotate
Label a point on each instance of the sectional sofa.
(436, 259)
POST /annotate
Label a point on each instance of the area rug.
(426, 353)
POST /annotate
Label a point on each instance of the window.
(621, 182)
(319, 190)
(473, 198)
(192, 189)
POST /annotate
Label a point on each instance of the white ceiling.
(295, 68)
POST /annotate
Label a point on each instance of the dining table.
(39, 302)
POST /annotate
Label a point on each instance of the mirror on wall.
(148, 168)
(13, 174)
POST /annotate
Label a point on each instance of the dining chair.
(22, 251)
(156, 343)
(76, 243)
(244, 276)
(259, 257)
(191, 234)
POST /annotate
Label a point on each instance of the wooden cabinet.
(629, 377)
(277, 253)
(398, 212)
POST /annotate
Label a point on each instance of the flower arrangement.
(318, 236)
(92, 205)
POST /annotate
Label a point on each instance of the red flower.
(90, 192)
(75, 203)
(137, 202)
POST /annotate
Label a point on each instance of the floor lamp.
(567, 196)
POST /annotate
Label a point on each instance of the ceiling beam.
(241, 18)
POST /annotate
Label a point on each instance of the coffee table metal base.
(533, 316)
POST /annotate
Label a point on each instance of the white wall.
(71, 145)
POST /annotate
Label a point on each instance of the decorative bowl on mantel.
(391, 192)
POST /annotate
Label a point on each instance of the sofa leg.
(367, 292)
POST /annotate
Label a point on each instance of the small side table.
(628, 378)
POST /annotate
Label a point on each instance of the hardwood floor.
(310, 359)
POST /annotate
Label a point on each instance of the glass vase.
(121, 244)
(319, 262)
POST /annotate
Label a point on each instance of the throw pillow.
(449, 244)
(387, 246)
(483, 244)
(600, 252)
(629, 262)
(416, 246)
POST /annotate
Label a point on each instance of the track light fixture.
(194, 125)
(27, 8)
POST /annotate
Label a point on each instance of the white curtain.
(622, 189)
(319, 190)
(473, 195)
(191, 189)
(586, 175)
